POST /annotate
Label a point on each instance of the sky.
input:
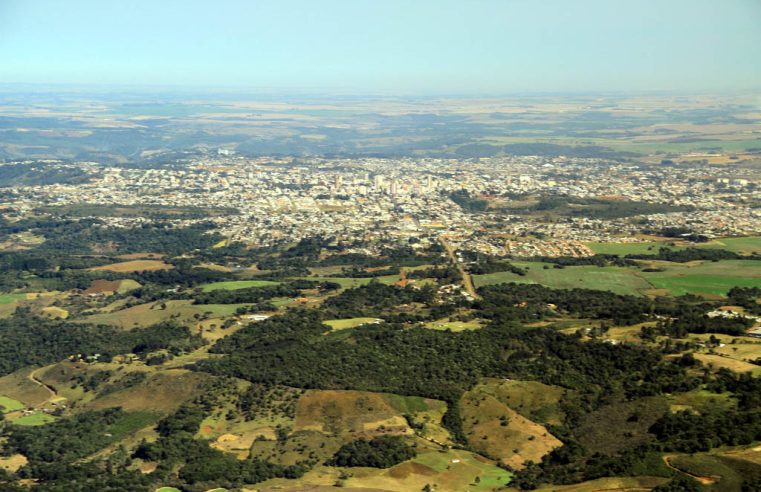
(476, 47)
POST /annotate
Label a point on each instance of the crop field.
(616, 279)
(237, 284)
(343, 324)
(133, 266)
(10, 405)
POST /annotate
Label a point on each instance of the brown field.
(111, 286)
(163, 392)
(141, 256)
(717, 361)
(12, 463)
(499, 432)
(609, 484)
(133, 266)
(358, 413)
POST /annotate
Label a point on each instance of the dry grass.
(358, 413)
(498, 431)
(716, 362)
(133, 266)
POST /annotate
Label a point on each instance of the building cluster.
(366, 201)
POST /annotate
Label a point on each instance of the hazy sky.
(396, 46)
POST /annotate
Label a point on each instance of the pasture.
(237, 284)
(10, 405)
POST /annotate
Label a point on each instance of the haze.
(420, 47)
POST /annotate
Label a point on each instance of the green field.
(168, 489)
(237, 284)
(10, 405)
(34, 419)
(615, 279)
(740, 245)
(343, 324)
(490, 476)
(714, 278)
(9, 298)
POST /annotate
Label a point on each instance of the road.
(33, 378)
(467, 280)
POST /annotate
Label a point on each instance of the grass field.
(699, 277)
(34, 419)
(152, 313)
(343, 324)
(9, 298)
(616, 279)
(700, 399)
(133, 266)
(10, 405)
(707, 277)
(741, 245)
(237, 284)
(717, 361)
(454, 325)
